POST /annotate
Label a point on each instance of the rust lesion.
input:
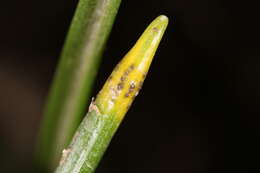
(132, 86)
(128, 70)
(122, 78)
(138, 88)
(155, 29)
(132, 66)
(120, 86)
(131, 89)
(126, 73)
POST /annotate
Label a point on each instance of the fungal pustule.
(118, 92)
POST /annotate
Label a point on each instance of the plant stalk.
(73, 80)
(109, 108)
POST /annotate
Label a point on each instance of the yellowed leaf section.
(126, 80)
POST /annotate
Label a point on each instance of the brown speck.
(120, 86)
(132, 67)
(122, 78)
(126, 73)
(132, 85)
(131, 89)
(155, 29)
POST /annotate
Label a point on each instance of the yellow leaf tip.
(163, 18)
(162, 21)
(127, 78)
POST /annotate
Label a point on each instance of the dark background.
(199, 107)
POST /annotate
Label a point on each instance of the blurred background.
(198, 110)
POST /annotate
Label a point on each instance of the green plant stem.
(107, 111)
(74, 77)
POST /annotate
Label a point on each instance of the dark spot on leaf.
(120, 86)
(132, 85)
(122, 78)
(155, 29)
(126, 73)
(132, 67)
